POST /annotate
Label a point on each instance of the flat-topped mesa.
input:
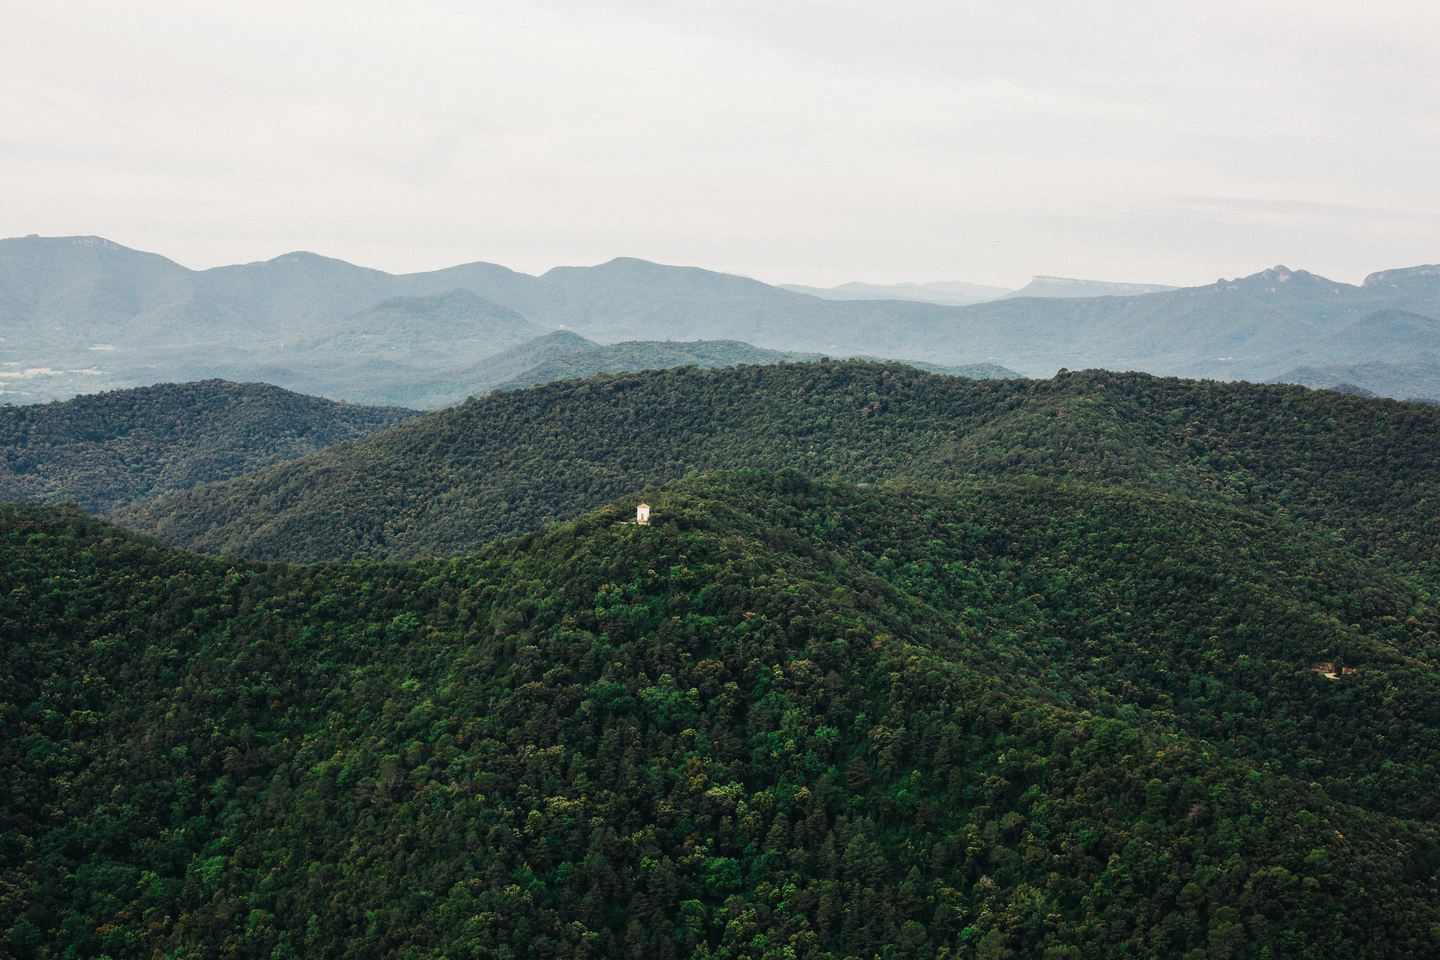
(1393, 278)
(1070, 287)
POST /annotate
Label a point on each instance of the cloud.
(809, 142)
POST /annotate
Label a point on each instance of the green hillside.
(639, 355)
(513, 462)
(105, 450)
(649, 355)
(1033, 720)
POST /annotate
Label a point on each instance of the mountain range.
(1411, 380)
(1068, 287)
(79, 314)
(958, 293)
(950, 292)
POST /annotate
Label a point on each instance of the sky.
(794, 142)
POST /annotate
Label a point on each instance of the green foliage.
(663, 355)
(649, 355)
(105, 450)
(1363, 470)
(1031, 719)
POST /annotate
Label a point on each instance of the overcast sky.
(814, 142)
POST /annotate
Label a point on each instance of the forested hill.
(664, 354)
(649, 355)
(512, 462)
(1037, 720)
(108, 449)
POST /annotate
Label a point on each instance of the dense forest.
(500, 465)
(108, 449)
(637, 355)
(1036, 718)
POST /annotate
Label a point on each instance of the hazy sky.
(813, 142)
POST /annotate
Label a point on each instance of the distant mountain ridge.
(1420, 381)
(949, 292)
(1069, 287)
(444, 386)
(440, 329)
(1404, 278)
(1392, 336)
(82, 314)
(638, 355)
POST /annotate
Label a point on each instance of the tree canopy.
(108, 449)
(1036, 718)
(508, 463)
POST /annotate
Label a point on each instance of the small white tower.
(642, 513)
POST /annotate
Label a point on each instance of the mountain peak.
(1279, 274)
(306, 258)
